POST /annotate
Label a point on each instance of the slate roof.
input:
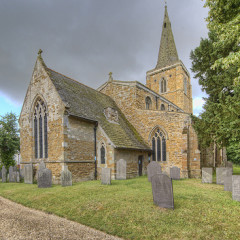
(87, 103)
(167, 52)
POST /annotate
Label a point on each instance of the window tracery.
(148, 103)
(40, 129)
(159, 146)
(163, 85)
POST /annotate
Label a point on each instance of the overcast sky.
(86, 39)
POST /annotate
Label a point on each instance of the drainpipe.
(95, 150)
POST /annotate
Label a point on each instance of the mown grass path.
(126, 209)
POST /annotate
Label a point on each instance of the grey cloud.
(86, 39)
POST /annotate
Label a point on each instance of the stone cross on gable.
(110, 76)
(40, 52)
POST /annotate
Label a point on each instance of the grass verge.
(126, 209)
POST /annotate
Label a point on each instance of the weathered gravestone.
(12, 174)
(21, 174)
(18, 177)
(1, 174)
(66, 177)
(106, 176)
(221, 173)
(228, 183)
(4, 174)
(28, 173)
(121, 170)
(153, 168)
(44, 178)
(162, 191)
(207, 175)
(175, 173)
(236, 187)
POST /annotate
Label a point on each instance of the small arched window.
(163, 85)
(159, 146)
(40, 129)
(103, 155)
(162, 107)
(148, 103)
(185, 86)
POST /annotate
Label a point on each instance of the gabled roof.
(167, 52)
(86, 103)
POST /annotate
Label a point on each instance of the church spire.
(167, 52)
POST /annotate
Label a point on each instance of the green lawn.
(126, 209)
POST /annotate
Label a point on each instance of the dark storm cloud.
(86, 39)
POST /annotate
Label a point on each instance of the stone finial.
(40, 52)
(110, 77)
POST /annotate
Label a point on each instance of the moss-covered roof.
(87, 103)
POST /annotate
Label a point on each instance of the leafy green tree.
(9, 139)
(216, 64)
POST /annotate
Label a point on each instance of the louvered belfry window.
(40, 130)
(159, 146)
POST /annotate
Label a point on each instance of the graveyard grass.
(126, 209)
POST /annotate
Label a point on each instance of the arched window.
(163, 85)
(185, 86)
(162, 107)
(148, 103)
(103, 152)
(40, 129)
(159, 146)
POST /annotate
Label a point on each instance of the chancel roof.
(86, 103)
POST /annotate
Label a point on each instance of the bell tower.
(170, 77)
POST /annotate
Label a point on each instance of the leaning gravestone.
(228, 183)
(66, 177)
(106, 176)
(4, 174)
(221, 173)
(175, 173)
(28, 173)
(236, 187)
(207, 175)
(162, 191)
(44, 178)
(153, 168)
(12, 174)
(121, 170)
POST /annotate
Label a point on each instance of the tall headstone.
(106, 176)
(21, 174)
(236, 187)
(28, 173)
(162, 191)
(18, 176)
(175, 173)
(228, 183)
(12, 174)
(153, 168)
(4, 174)
(221, 172)
(44, 178)
(121, 170)
(1, 174)
(207, 174)
(66, 177)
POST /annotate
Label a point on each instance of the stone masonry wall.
(145, 121)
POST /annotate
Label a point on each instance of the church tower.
(170, 77)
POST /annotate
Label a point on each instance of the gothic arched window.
(162, 107)
(148, 103)
(159, 146)
(40, 129)
(163, 85)
(185, 86)
(103, 152)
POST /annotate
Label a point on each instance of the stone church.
(66, 123)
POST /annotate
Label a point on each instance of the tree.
(9, 139)
(216, 64)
